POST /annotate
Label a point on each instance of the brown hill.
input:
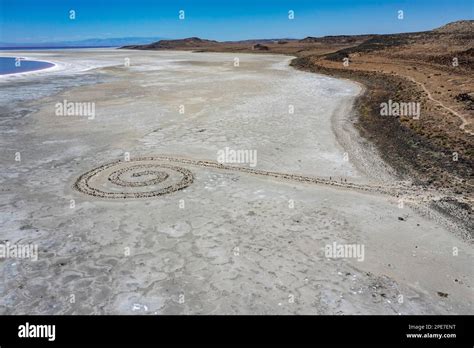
(466, 26)
(440, 45)
(191, 42)
(336, 39)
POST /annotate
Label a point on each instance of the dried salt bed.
(172, 231)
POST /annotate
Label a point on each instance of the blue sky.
(48, 20)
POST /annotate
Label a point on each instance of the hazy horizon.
(32, 22)
(109, 42)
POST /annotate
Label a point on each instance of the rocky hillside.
(191, 42)
(466, 26)
(337, 39)
(438, 46)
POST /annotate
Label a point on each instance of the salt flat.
(231, 241)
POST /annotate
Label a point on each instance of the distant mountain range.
(110, 42)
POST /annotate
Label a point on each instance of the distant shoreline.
(51, 48)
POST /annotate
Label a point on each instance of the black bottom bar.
(224, 330)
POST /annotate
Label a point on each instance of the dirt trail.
(428, 93)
